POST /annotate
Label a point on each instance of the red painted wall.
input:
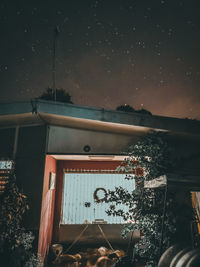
(75, 164)
(47, 212)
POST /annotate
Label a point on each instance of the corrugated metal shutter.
(79, 189)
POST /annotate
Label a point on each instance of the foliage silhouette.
(151, 154)
(15, 241)
(128, 108)
(61, 95)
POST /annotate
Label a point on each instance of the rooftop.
(70, 115)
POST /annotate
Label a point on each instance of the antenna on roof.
(55, 37)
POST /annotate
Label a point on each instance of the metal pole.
(163, 220)
(56, 32)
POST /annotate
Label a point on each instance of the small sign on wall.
(52, 180)
(6, 164)
(6, 168)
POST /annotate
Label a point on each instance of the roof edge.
(38, 106)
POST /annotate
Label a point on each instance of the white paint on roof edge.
(90, 157)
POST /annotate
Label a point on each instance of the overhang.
(69, 115)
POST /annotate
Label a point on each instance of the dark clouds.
(143, 53)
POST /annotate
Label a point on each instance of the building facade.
(57, 147)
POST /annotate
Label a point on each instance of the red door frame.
(52, 198)
(47, 209)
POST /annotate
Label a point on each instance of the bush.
(151, 155)
(15, 241)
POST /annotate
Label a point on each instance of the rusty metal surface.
(92, 236)
(79, 205)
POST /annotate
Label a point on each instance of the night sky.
(109, 52)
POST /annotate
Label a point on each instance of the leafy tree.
(128, 108)
(125, 108)
(151, 155)
(15, 242)
(61, 95)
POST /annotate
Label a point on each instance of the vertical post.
(15, 142)
(55, 36)
(163, 220)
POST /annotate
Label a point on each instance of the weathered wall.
(72, 140)
(7, 137)
(185, 149)
(30, 159)
(92, 236)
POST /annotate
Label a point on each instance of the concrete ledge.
(62, 110)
